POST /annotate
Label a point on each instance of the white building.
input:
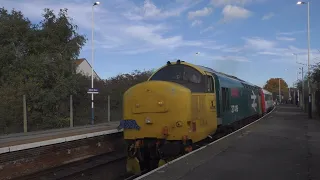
(83, 67)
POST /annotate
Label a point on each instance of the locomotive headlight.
(179, 124)
(160, 103)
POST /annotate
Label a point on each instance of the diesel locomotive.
(180, 105)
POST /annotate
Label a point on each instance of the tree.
(36, 60)
(272, 85)
(315, 77)
(118, 85)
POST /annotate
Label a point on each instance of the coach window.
(184, 75)
(210, 84)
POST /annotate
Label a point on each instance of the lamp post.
(279, 92)
(298, 93)
(92, 61)
(294, 95)
(297, 99)
(197, 53)
(289, 93)
(308, 32)
(280, 89)
(302, 81)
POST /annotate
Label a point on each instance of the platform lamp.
(297, 90)
(92, 61)
(279, 91)
(308, 32)
(280, 88)
(297, 77)
(197, 53)
(302, 86)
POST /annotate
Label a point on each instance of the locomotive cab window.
(209, 84)
(183, 75)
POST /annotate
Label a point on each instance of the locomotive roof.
(210, 70)
(266, 91)
(225, 75)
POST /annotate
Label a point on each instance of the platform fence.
(26, 114)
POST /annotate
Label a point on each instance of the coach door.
(211, 108)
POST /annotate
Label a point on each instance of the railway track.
(113, 164)
(130, 176)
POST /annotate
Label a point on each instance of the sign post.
(93, 91)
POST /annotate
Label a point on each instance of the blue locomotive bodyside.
(236, 99)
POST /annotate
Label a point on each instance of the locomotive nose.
(150, 101)
(155, 106)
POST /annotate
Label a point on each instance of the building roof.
(79, 61)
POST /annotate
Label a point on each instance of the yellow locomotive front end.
(156, 121)
(161, 110)
(162, 117)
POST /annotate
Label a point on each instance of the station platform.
(25, 154)
(283, 145)
(22, 141)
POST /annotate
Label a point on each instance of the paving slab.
(284, 145)
(32, 137)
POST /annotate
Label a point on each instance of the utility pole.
(279, 92)
(294, 95)
(298, 98)
(302, 93)
(289, 93)
(92, 63)
(309, 87)
(308, 33)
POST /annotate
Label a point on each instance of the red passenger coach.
(263, 102)
(268, 105)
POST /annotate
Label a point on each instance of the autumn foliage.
(272, 85)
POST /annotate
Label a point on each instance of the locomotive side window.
(183, 75)
(210, 84)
